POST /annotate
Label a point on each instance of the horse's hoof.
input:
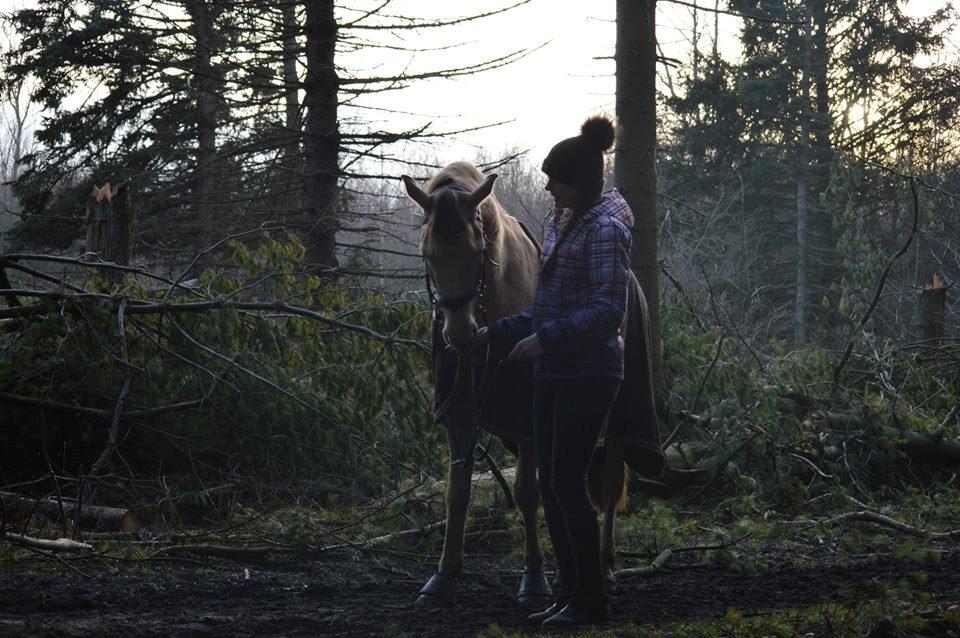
(534, 590)
(440, 591)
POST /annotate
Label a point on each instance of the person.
(571, 333)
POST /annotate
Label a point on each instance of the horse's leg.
(441, 589)
(614, 487)
(534, 588)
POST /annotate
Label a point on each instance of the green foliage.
(773, 427)
(655, 528)
(286, 400)
(901, 609)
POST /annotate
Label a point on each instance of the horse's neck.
(511, 269)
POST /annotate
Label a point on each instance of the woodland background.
(245, 315)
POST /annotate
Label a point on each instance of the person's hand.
(526, 349)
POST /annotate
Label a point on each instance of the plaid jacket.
(581, 298)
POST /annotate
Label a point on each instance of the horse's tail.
(602, 481)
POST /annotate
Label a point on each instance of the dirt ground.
(351, 596)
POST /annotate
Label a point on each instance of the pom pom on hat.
(597, 132)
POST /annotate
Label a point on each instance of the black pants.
(567, 418)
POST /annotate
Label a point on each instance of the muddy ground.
(373, 595)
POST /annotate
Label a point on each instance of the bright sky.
(543, 97)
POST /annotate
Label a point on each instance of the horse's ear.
(483, 190)
(416, 193)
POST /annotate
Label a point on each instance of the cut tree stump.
(110, 226)
(92, 517)
(933, 310)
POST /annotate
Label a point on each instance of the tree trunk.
(716, 31)
(291, 201)
(933, 310)
(819, 65)
(635, 157)
(203, 14)
(824, 264)
(321, 141)
(695, 43)
(803, 187)
(291, 82)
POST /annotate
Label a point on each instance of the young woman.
(572, 335)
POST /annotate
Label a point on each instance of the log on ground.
(91, 517)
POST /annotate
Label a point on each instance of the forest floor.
(808, 593)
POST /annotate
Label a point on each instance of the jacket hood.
(613, 205)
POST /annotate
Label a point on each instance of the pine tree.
(222, 115)
(753, 125)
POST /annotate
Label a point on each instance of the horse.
(482, 264)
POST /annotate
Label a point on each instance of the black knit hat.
(578, 161)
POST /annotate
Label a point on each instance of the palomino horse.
(483, 265)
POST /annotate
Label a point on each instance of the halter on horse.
(437, 297)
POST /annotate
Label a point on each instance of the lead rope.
(479, 290)
(479, 392)
(476, 410)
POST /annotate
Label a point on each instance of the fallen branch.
(7, 263)
(104, 265)
(867, 516)
(484, 534)
(926, 446)
(140, 306)
(220, 551)
(7, 397)
(658, 563)
(53, 545)
(947, 421)
(111, 536)
(386, 538)
(692, 548)
(810, 464)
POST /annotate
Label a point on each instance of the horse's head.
(454, 248)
